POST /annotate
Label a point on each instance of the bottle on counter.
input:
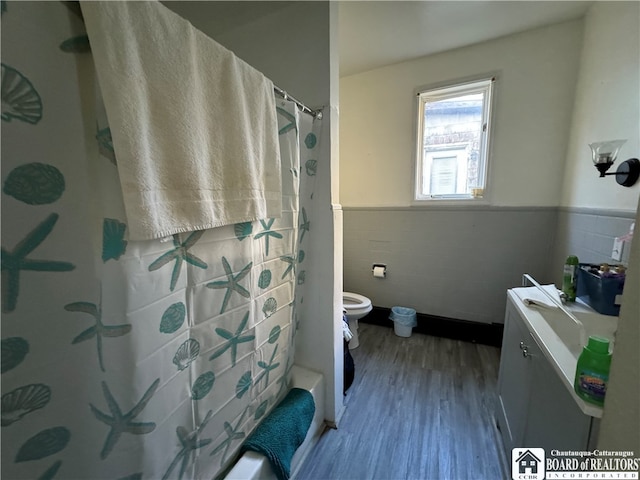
(570, 277)
(592, 372)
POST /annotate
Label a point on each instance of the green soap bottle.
(570, 277)
(592, 372)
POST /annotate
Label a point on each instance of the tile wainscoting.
(458, 262)
(589, 234)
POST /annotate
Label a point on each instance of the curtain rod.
(314, 113)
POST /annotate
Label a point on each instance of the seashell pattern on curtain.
(129, 359)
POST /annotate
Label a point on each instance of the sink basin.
(560, 339)
(566, 330)
(569, 332)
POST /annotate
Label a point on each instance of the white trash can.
(404, 319)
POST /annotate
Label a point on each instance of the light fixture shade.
(605, 153)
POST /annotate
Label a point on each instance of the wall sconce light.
(605, 153)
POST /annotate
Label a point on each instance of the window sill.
(452, 202)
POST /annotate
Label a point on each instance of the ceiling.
(377, 33)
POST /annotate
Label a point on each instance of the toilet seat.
(353, 301)
(355, 307)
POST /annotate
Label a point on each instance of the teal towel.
(283, 431)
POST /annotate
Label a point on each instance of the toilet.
(356, 306)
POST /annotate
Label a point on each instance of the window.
(453, 138)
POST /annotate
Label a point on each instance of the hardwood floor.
(419, 408)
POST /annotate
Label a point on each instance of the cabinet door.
(554, 421)
(514, 381)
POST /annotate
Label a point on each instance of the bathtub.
(253, 465)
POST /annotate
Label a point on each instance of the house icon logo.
(527, 464)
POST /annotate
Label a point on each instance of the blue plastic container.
(599, 292)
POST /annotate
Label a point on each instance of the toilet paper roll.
(379, 272)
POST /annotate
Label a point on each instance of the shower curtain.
(129, 359)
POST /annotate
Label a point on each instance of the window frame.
(454, 88)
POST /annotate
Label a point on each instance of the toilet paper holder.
(379, 270)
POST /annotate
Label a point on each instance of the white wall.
(607, 106)
(620, 427)
(437, 255)
(534, 100)
(295, 46)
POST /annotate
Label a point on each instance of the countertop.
(562, 358)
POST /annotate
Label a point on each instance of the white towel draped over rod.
(171, 92)
(74, 6)
(314, 113)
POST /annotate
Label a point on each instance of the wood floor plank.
(420, 408)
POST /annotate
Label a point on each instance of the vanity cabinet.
(535, 408)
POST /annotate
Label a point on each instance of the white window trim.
(488, 113)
